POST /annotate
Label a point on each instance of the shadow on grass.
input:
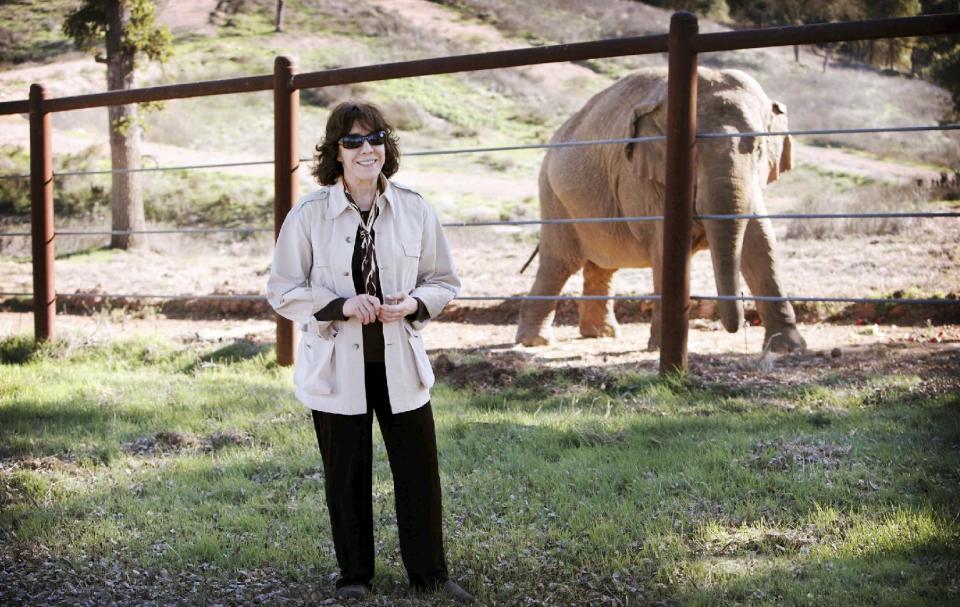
(576, 498)
(18, 349)
(95, 250)
(911, 573)
(236, 351)
(94, 421)
(538, 501)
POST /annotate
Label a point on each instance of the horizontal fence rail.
(824, 33)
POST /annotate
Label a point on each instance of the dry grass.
(853, 97)
(873, 198)
(817, 99)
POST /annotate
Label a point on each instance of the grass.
(844, 193)
(178, 460)
(31, 30)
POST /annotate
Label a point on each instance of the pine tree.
(127, 30)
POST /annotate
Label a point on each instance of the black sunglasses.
(353, 141)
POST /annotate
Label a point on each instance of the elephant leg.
(759, 268)
(656, 254)
(596, 316)
(557, 265)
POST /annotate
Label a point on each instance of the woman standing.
(361, 265)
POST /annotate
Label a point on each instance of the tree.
(941, 54)
(127, 29)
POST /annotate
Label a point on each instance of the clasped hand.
(367, 308)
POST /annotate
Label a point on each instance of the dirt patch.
(164, 443)
(509, 368)
(798, 453)
(47, 463)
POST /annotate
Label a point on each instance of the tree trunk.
(826, 57)
(279, 16)
(126, 194)
(796, 53)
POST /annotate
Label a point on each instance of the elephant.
(623, 180)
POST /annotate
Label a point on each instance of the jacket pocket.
(323, 276)
(410, 265)
(420, 358)
(411, 248)
(315, 371)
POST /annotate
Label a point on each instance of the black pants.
(346, 448)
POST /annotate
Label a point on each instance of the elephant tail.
(532, 255)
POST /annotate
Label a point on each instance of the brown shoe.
(353, 591)
(456, 592)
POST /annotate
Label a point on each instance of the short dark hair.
(326, 168)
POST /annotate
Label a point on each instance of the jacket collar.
(338, 198)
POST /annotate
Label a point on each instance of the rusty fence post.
(678, 198)
(286, 101)
(41, 217)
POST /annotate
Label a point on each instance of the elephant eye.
(748, 145)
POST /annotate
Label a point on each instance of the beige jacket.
(312, 267)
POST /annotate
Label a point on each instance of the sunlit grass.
(622, 484)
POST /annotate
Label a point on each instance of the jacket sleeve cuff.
(421, 314)
(331, 311)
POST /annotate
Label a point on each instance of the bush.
(14, 193)
(72, 196)
(864, 199)
(403, 115)
(330, 96)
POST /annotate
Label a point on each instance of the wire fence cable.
(764, 298)
(532, 146)
(520, 222)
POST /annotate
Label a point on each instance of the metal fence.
(683, 44)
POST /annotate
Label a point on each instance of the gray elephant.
(628, 180)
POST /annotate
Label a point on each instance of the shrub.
(863, 199)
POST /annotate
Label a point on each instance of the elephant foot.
(784, 340)
(604, 329)
(653, 344)
(533, 338)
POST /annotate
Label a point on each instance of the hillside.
(502, 106)
(860, 172)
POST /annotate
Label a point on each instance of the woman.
(361, 265)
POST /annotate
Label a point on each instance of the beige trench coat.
(312, 267)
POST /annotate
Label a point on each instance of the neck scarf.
(368, 257)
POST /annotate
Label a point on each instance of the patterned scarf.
(368, 260)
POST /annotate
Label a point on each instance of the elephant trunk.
(725, 238)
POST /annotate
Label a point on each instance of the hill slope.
(479, 108)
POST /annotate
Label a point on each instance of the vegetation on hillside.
(458, 110)
(31, 30)
(936, 57)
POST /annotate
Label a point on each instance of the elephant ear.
(649, 157)
(781, 160)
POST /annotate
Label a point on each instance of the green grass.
(32, 30)
(577, 485)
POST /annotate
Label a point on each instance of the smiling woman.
(362, 264)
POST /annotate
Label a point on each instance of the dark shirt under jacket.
(373, 344)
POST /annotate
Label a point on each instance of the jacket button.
(356, 346)
(349, 238)
(346, 273)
